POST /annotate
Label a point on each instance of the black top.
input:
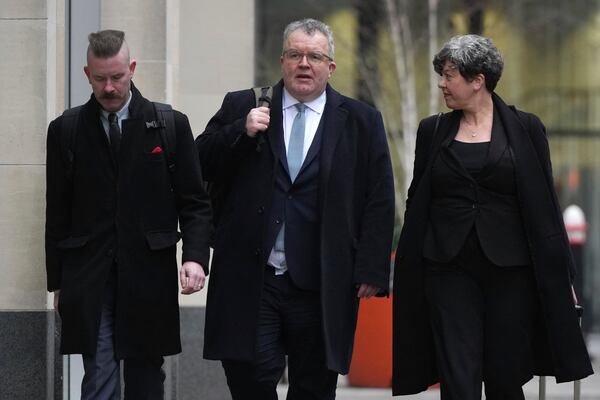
(471, 155)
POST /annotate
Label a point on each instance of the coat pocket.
(158, 240)
(72, 242)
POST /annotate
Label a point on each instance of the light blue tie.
(294, 158)
(296, 145)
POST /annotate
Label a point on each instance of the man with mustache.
(304, 225)
(120, 178)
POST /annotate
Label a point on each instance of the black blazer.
(561, 350)
(489, 203)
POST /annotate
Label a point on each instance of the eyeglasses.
(314, 58)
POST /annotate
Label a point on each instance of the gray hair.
(310, 26)
(472, 55)
(107, 43)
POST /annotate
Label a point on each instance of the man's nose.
(304, 61)
(109, 87)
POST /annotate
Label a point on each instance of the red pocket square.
(157, 149)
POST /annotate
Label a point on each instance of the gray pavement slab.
(590, 386)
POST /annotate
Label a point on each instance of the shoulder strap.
(435, 131)
(67, 138)
(166, 124)
(263, 96)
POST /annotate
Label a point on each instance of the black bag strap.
(263, 96)
(165, 122)
(435, 131)
(68, 135)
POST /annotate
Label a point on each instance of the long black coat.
(100, 217)
(356, 201)
(560, 348)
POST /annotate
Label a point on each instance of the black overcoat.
(356, 201)
(96, 217)
(560, 349)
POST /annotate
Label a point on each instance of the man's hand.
(56, 295)
(366, 291)
(192, 277)
(257, 120)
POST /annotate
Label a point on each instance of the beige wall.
(214, 54)
(216, 45)
(27, 99)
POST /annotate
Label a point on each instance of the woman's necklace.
(471, 132)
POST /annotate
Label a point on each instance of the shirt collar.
(317, 105)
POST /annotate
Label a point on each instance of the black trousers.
(289, 323)
(144, 377)
(482, 317)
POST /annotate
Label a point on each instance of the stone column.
(32, 70)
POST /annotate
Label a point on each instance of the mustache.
(110, 96)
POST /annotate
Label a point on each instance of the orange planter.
(372, 358)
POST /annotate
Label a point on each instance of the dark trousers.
(143, 377)
(289, 322)
(482, 317)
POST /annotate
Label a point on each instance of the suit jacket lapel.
(497, 146)
(95, 131)
(450, 128)
(315, 146)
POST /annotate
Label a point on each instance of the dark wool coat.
(99, 218)
(560, 349)
(356, 202)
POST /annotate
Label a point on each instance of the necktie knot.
(300, 107)
(112, 118)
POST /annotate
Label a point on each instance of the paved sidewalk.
(590, 387)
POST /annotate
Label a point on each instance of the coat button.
(290, 196)
(110, 252)
(474, 205)
(260, 210)
(257, 252)
(278, 221)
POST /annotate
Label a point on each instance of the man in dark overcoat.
(304, 228)
(559, 347)
(112, 211)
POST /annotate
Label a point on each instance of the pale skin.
(475, 101)
(110, 79)
(305, 82)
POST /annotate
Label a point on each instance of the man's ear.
(87, 73)
(332, 67)
(132, 65)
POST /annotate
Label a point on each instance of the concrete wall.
(189, 53)
(32, 81)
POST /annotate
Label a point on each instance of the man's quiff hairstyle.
(310, 26)
(105, 44)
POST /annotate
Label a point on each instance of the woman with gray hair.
(482, 284)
